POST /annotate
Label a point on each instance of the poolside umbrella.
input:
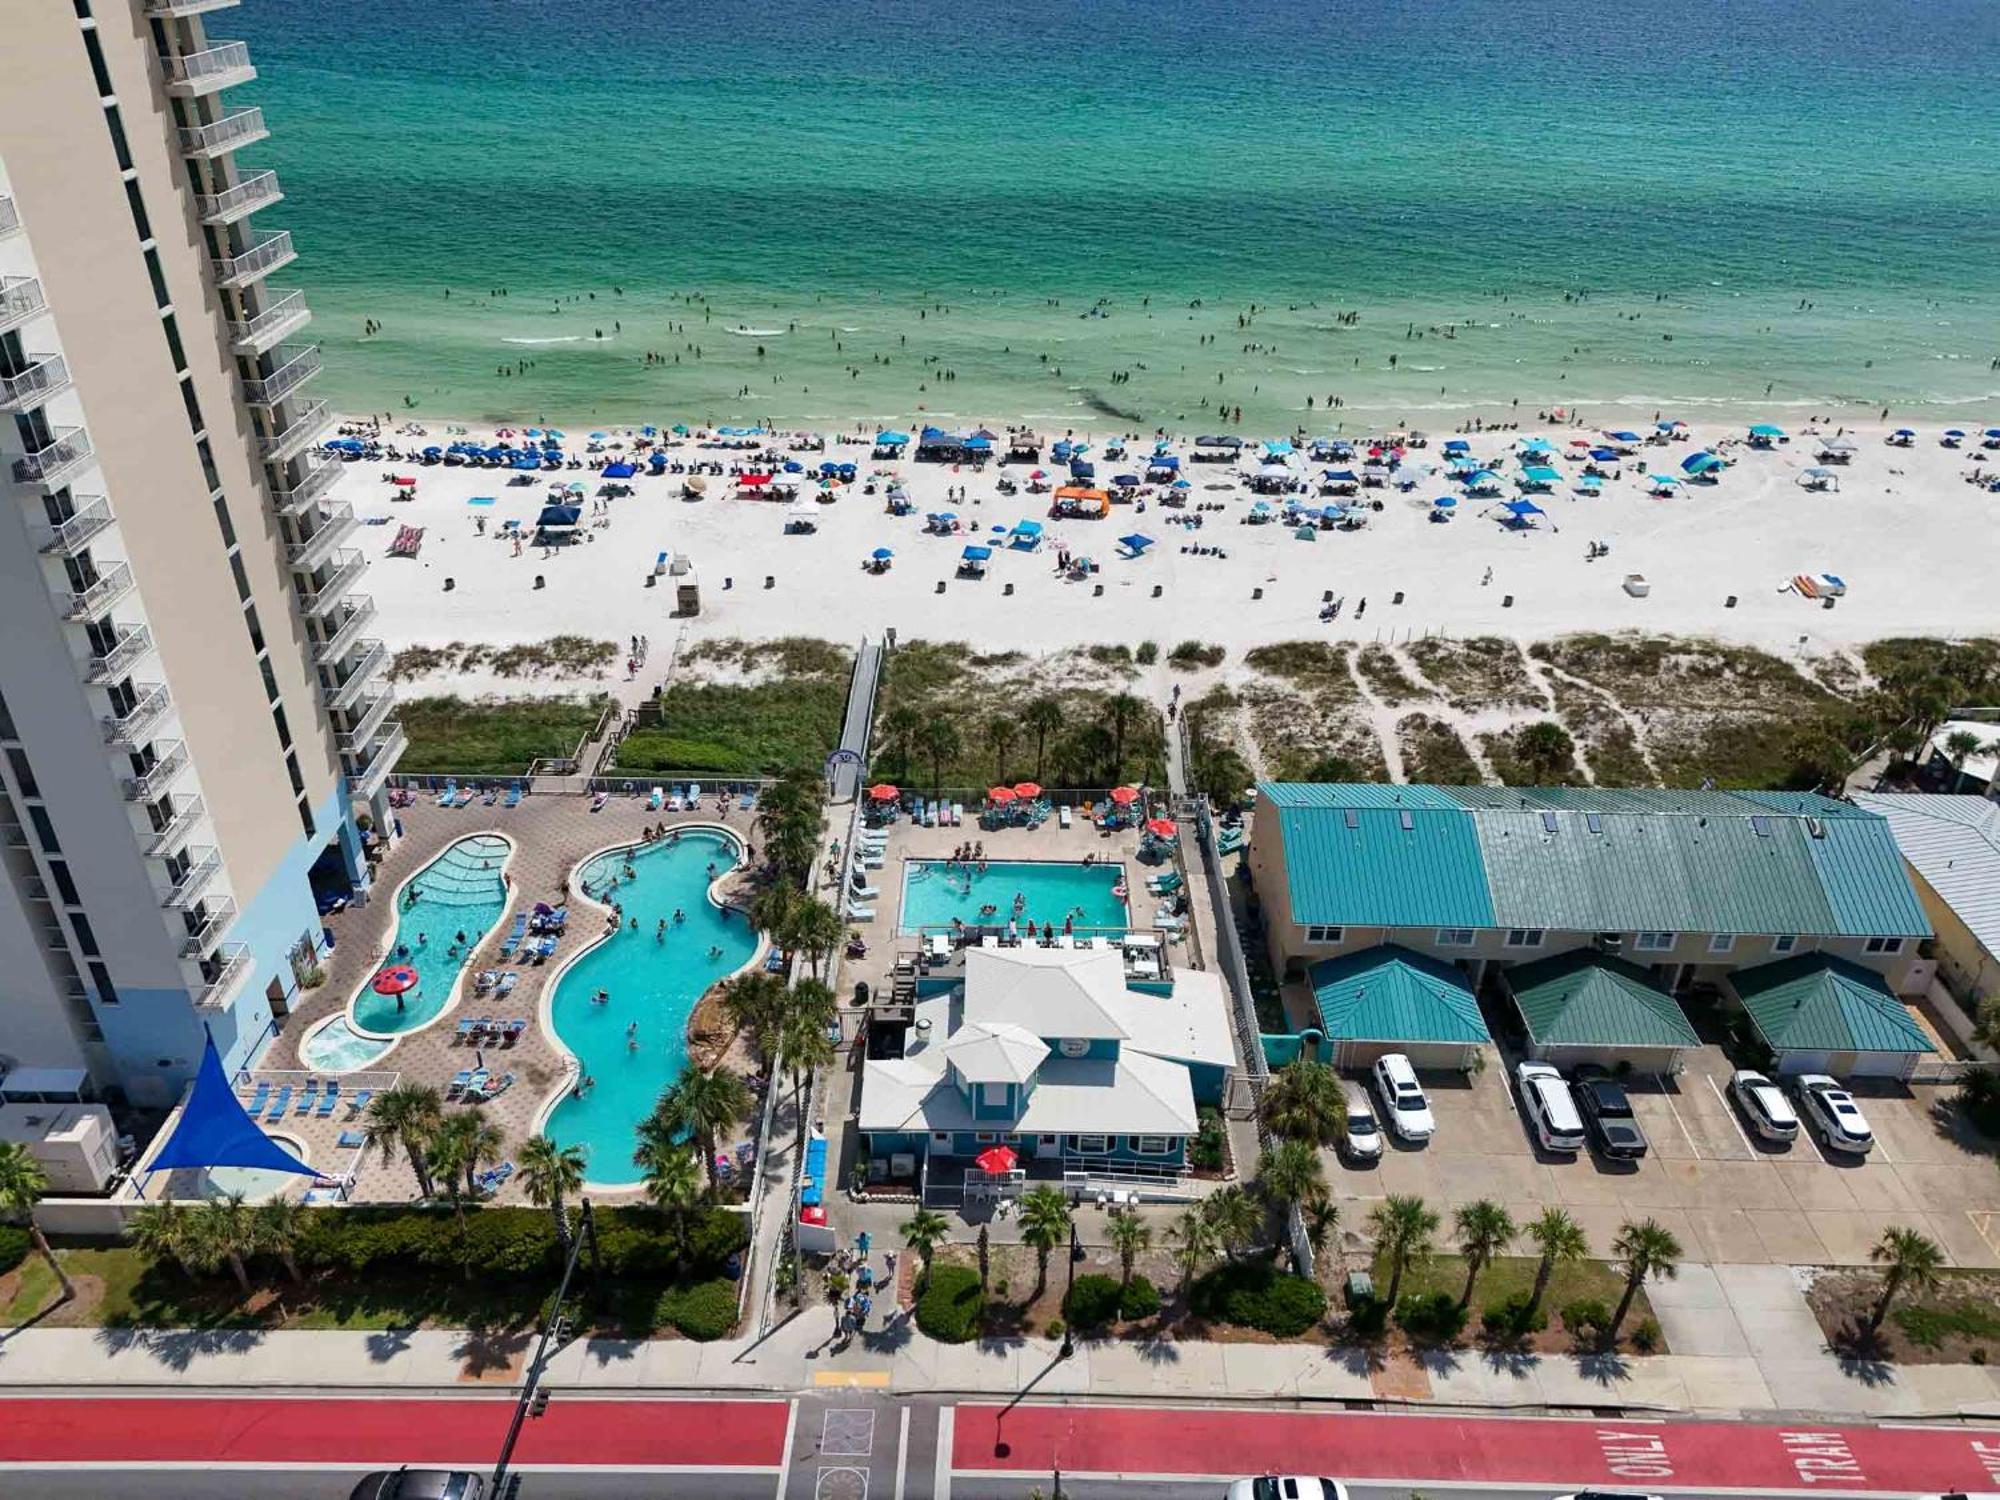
(1124, 796)
(1001, 795)
(1027, 791)
(395, 980)
(882, 554)
(1161, 828)
(996, 1159)
(597, 437)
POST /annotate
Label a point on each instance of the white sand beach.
(1911, 538)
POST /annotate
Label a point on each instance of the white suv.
(1550, 1107)
(1403, 1100)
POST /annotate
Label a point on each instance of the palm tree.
(942, 742)
(472, 1142)
(673, 1184)
(1306, 1101)
(1485, 1229)
(1560, 1239)
(1120, 709)
(1959, 747)
(404, 1117)
(1195, 1243)
(771, 910)
(551, 1175)
(1647, 1248)
(1322, 1218)
(896, 734)
(1403, 1229)
(229, 1225)
(815, 929)
(1291, 1172)
(805, 1048)
(1546, 750)
(1131, 1237)
(1042, 718)
(22, 1183)
(923, 1232)
(1001, 731)
(1044, 1225)
(700, 1106)
(1907, 1259)
(163, 1231)
(1236, 1219)
(277, 1226)
(756, 1002)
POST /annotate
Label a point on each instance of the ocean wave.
(756, 333)
(568, 338)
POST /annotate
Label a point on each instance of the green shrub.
(1206, 1152)
(1927, 1324)
(1586, 1319)
(1092, 1301)
(1147, 654)
(1255, 1294)
(1189, 655)
(1056, 1329)
(950, 1308)
(1514, 1317)
(1646, 1336)
(1430, 1315)
(704, 1311)
(1140, 1300)
(14, 1243)
(1367, 1317)
(512, 1243)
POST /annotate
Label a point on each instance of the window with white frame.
(1785, 942)
(993, 1095)
(1455, 937)
(1046, 1140)
(987, 1137)
(1525, 937)
(1324, 937)
(1150, 1145)
(1721, 942)
(1094, 1145)
(1885, 945)
(1652, 942)
(941, 1140)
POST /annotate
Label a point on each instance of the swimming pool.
(1049, 890)
(459, 891)
(336, 1047)
(653, 983)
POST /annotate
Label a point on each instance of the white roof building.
(1953, 845)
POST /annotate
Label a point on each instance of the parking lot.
(1729, 1197)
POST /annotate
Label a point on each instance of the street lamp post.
(1075, 1250)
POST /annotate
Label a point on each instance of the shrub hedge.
(14, 1243)
(1092, 1301)
(1586, 1318)
(1430, 1315)
(514, 1242)
(1141, 1300)
(951, 1306)
(1255, 1294)
(704, 1311)
(1513, 1317)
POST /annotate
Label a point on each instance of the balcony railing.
(51, 465)
(344, 627)
(235, 130)
(282, 314)
(366, 718)
(307, 425)
(259, 261)
(245, 198)
(170, 759)
(184, 7)
(20, 299)
(368, 770)
(132, 645)
(10, 216)
(295, 365)
(163, 841)
(347, 567)
(204, 865)
(130, 730)
(91, 602)
(224, 64)
(73, 535)
(316, 481)
(34, 385)
(336, 526)
(236, 965)
(374, 656)
(215, 920)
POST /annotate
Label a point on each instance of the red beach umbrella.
(1027, 790)
(1161, 828)
(882, 792)
(1001, 794)
(395, 979)
(996, 1159)
(1124, 796)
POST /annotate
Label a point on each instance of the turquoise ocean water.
(1073, 206)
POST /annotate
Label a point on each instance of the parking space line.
(785, 1455)
(947, 1421)
(902, 1450)
(1686, 1134)
(1734, 1124)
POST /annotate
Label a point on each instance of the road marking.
(1686, 1134)
(902, 1450)
(1734, 1124)
(1482, 1486)
(852, 1380)
(841, 1482)
(785, 1453)
(947, 1419)
(847, 1432)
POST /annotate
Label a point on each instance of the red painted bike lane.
(1498, 1450)
(574, 1432)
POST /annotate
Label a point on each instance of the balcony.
(235, 966)
(215, 919)
(192, 74)
(258, 191)
(285, 313)
(235, 130)
(316, 481)
(368, 769)
(20, 299)
(176, 8)
(336, 526)
(203, 866)
(10, 216)
(254, 264)
(129, 648)
(344, 627)
(131, 729)
(73, 535)
(51, 466)
(366, 718)
(277, 447)
(346, 568)
(48, 375)
(170, 759)
(94, 602)
(374, 656)
(293, 365)
(164, 841)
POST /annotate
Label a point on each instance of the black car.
(1608, 1114)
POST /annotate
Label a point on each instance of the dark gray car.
(421, 1484)
(1609, 1115)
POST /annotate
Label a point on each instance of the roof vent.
(1594, 822)
(1350, 817)
(1548, 822)
(1816, 827)
(1760, 824)
(1403, 817)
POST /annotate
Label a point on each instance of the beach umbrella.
(996, 1159)
(1027, 791)
(1444, 502)
(882, 554)
(1161, 828)
(397, 979)
(1954, 432)
(433, 451)
(1183, 484)
(1001, 795)
(882, 792)
(1766, 430)
(597, 437)
(1992, 432)
(650, 431)
(1457, 445)
(1125, 481)
(1906, 432)
(1124, 796)
(557, 434)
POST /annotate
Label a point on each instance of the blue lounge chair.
(360, 1101)
(450, 791)
(349, 1139)
(279, 1104)
(307, 1095)
(259, 1099)
(328, 1100)
(513, 796)
(514, 935)
(459, 1081)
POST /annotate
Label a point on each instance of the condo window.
(65, 885)
(207, 457)
(155, 275)
(292, 770)
(24, 774)
(987, 1137)
(100, 978)
(270, 682)
(193, 406)
(172, 328)
(1652, 942)
(138, 204)
(1721, 942)
(242, 578)
(306, 818)
(941, 1140)
(116, 125)
(249, 610)
(1324, 935)
(6, 722)
(1524, 937)
(45, 831)
(83, 10)
(228, 530)
(85, 938)
(1455, 937)
(1784, 942)
(1885, 945)
(1150, 1145)
(284, 729)
(1094, 1144)
(97, 69)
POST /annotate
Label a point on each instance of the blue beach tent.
(215, 1130)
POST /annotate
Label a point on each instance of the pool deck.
(552, 833)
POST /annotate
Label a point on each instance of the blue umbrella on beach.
(882, 554)
(1445, 502)
(1183, 484)
(1766, 430)
(649, 431)
(1125, 481)
(793, 466)
(1700, 463)
(597, 437)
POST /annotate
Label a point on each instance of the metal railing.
(203, 867)
(20, 299)
(296, 364)
(369, 770)
(10, 216)
(367, 716)
(216, 67)
(129, 729)
(348, 566)
(34, 385)
(337, 523)
(170, 759)
(254, 192)
(74, 534)
(50, 465)
(374, 656)
(234, 130)
(89, 603)
(316, 482)
(132, 644)
(185, 7)
(165, 839)
(282, 312)
(347, 628)
(258, 261)
(216, 917)
(309, 423)
(236, 963)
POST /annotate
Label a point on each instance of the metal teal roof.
(1389, 994)
(1383, 866)
(1589, 999)
(1848, 858)
(1819, 1003)
(1352, 794)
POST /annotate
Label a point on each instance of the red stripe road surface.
(574, 1432)
(1500, 1450)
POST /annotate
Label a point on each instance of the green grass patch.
(493, 736)
(1931, 1323)
(784, 709)
(1385, 676)
(1512, 1275)
(1433, 754)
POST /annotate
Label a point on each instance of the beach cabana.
(1455, 446)
(1076, 502)
(1703, 465)
(890, 445)
(1620, 442)
(941, 522)
(558, 523)
(1588, 484)
(1134, 545)
(1535, 447)
(620, 470)
(1820, 478)
(1539, 479)
(973, 560)
(1662, 484)
(1485, 482)
(1765, 434)
(1838, 450)
(978, 448)
(936, 446)
(1024, 448)
(1218, 449)
(1520, 514)
(1026, 536)
(1081, 469)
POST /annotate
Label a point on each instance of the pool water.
(1051, 890)
(653, 982)
(337, 1047)
(459, 891)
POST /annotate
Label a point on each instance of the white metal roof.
(1954, 843)
(1059, 992)
(1983, 763)
(995, 1052)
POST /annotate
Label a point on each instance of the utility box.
(687, 594)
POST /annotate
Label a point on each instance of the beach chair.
(1164, 885)
(450, 791)
(360, 1102)
(694, 796)
(259, 1099)
(1063, 816)
(279, 1105)
(465, 1029)
(658, 800)
(513, 798)
(492, 795)
(507, 982)
(860, 913)
(747, 802)
(675, 801)
(465, 796)
(459, 1081)
(327, 1101)
(349, 1140)
(307, 1097)
(515, 1031)
(598, 800)
(868, 859)
(514, 934)
(957, 814)
(859, 892)
(475, 1086)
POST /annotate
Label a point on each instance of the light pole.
(1075, 1250)
(557, 1326)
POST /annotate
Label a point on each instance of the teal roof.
(1819, 1003)
(1590, 859)
(1588, 999)
(1389, 994)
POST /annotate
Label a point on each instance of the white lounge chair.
(658, 800)
(857, 891)
(957, 814)
(860, 913)
(1063, 816)
(868, 859)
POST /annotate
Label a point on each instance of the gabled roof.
(1389, 994)
(989, 1052)
(1589, 999)
(1954, 843)
(1060, 992)
(1587, 859)
(1819, 1003)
